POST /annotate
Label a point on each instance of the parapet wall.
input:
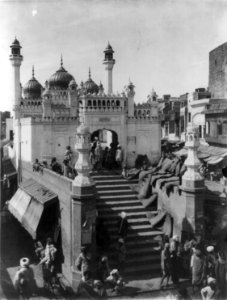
(174, 204)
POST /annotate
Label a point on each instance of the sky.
(162, 45)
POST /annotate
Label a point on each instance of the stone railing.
(106, 109)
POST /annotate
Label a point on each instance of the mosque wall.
(44, 141)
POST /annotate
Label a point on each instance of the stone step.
(137, 235)
(113, 187)
(118, 197)
(140, 221)
(134, 252)
(153, 269)
(142, 243)
(104, 176)
(116, 214)
(109, 202)
(116, 191)
(111, 182)
(132, 228)
(119, 209)
(142, 260)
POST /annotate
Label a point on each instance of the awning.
(28, 203)
(19, 204)
(215, 160)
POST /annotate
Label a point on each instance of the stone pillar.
(83, 203)
(193, 188)
(130, 90)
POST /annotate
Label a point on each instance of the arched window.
(94, 103)
(219, 127)
(112, 103)
(99, 103)
(103, 103)
(108, 103)
(89, 103)
(117, 103)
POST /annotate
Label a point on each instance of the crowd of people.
(97, 276)
(205, 265)
(46, 256)
(95, 281)
(66, 168)
(108, 158)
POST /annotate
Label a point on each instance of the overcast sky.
(158, 44)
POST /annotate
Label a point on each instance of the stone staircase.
(115, 196)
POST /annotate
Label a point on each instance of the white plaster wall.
(148, 140)
(26, 140)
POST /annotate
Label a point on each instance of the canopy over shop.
(36, 208)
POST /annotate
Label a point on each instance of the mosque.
(46, 118)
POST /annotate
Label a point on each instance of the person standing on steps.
(119, 157)
(165, 264)
(123, 226)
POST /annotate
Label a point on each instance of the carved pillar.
(193, 188)
(83, 202)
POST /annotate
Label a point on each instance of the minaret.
(109, 63)
(16, 59)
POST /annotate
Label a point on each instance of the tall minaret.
(109, 62)
(16, 59)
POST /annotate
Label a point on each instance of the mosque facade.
(46, 118)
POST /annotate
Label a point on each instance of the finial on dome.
(61, 60)
(33, 71)
(89, 73)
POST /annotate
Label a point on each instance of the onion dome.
(60, 79)
(32, 89)
(90, 86)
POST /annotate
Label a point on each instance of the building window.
(224, 128)
(207, 128)
(11, 135)
(219, 124)
(200, 131)
(189, 117)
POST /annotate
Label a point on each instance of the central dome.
(60, 79)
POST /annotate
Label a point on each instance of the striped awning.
(28, 204)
